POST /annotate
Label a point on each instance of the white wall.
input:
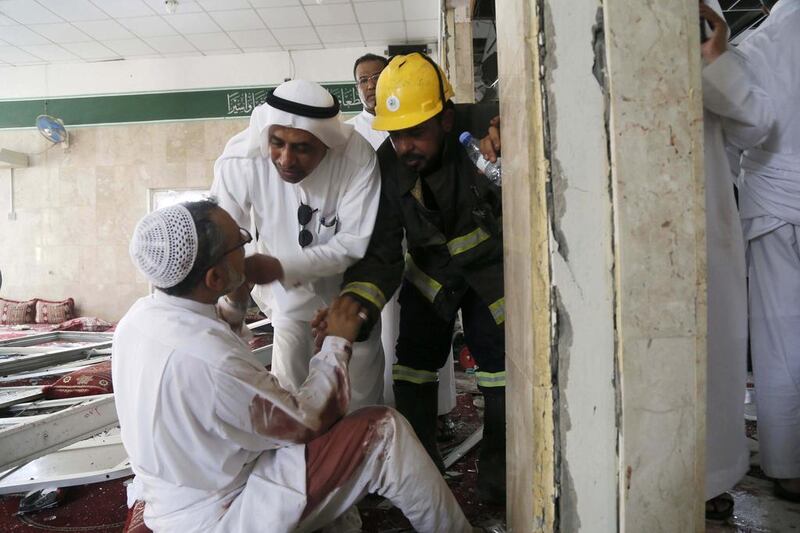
(179, 73)
(75, 209)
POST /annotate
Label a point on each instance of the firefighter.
(450, 215)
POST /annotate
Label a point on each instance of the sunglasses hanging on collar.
(304, 214)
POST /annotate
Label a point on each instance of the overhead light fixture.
(171, 6)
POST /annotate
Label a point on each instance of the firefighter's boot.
(419, 404)
(492, 457)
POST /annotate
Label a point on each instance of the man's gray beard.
(236, 279)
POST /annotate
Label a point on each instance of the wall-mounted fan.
(52, 129)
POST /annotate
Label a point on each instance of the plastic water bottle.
(491, 170)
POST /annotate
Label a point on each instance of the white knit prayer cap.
(164, 246)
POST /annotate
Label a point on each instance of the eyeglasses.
(364, 80)
(245, 237)
(304, 213)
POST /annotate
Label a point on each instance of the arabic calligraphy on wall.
(242, 102)
(150, 107)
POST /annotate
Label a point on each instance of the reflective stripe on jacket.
(453, 244)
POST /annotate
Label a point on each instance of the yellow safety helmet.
(411, 90)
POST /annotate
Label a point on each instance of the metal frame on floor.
(94, 357)
(55, 336)
(99, 458)
(27, 353)
(25, 438)
(10, 396)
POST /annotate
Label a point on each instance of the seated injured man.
(214, 441)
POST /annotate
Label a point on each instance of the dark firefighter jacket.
(454, 239)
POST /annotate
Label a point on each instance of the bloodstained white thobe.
(217, 445)
(737, 112)
(769, 197)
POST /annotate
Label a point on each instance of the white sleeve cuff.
(337, 344)
(293, 274)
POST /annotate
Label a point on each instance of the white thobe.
(736, 112)
(344, 191)
(769, 200)
(217, 445)
(363, 125)
(390, 316)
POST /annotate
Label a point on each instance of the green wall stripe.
(184, 105)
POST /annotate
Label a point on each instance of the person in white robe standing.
(312, 185)
(366, 71)
(737, 112)
(769, 202)
(215, 443)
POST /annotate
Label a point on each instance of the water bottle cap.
(465, 137)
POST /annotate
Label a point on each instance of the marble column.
(605, 264)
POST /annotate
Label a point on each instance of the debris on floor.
(756, 509)
(101, 507)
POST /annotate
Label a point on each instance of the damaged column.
(605, 265)
(458, 49)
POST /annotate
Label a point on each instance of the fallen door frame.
(94, 357)
(35, 359)
(44, 434)
(29, 476)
